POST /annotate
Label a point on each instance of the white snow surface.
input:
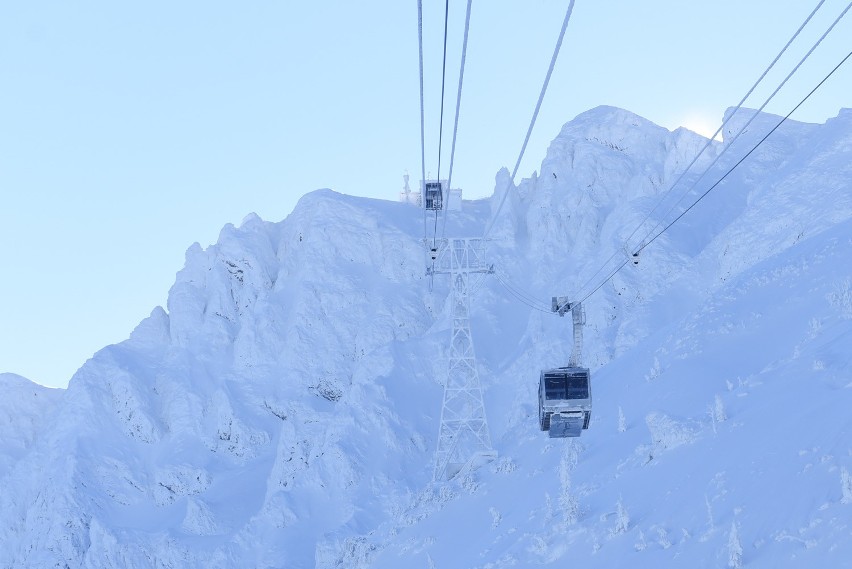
(24, 408)
(283, 410)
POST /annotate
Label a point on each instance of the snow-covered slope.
(24, 408)
(283, 410)
(733, 419)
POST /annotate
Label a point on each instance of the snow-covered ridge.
(24, 409)
(282, 411)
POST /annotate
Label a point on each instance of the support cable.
(441, 123)
(720, 180)
(535, 115)
(518, 297)
(704, 148)
(458, 108)
(422, 119)
(740, 161)
(730, 116)
(521, 293)
(745, 126)
(443, 84)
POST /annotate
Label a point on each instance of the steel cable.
(703, 149)
(731, 169)
(458, 108)
(535, 115)
(745, 126)
(727, 147)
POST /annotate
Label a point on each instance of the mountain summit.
(282, 411)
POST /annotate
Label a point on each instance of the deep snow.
(283, 410)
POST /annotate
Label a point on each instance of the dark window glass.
(566, 386)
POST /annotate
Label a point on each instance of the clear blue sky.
(129, 130)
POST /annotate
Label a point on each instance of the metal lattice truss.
(464, 441)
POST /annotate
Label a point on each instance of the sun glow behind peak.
(700, 124)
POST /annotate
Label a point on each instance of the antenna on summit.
(406, 195)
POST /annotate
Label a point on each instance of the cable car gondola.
(433, 195)
(565, 393)
(564, 401)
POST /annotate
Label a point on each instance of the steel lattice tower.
(464, 441)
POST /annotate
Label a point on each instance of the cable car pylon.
(464, 440)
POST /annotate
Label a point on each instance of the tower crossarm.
(458, 255)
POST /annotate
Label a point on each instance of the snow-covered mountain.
(24, 408)
(283, 410)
